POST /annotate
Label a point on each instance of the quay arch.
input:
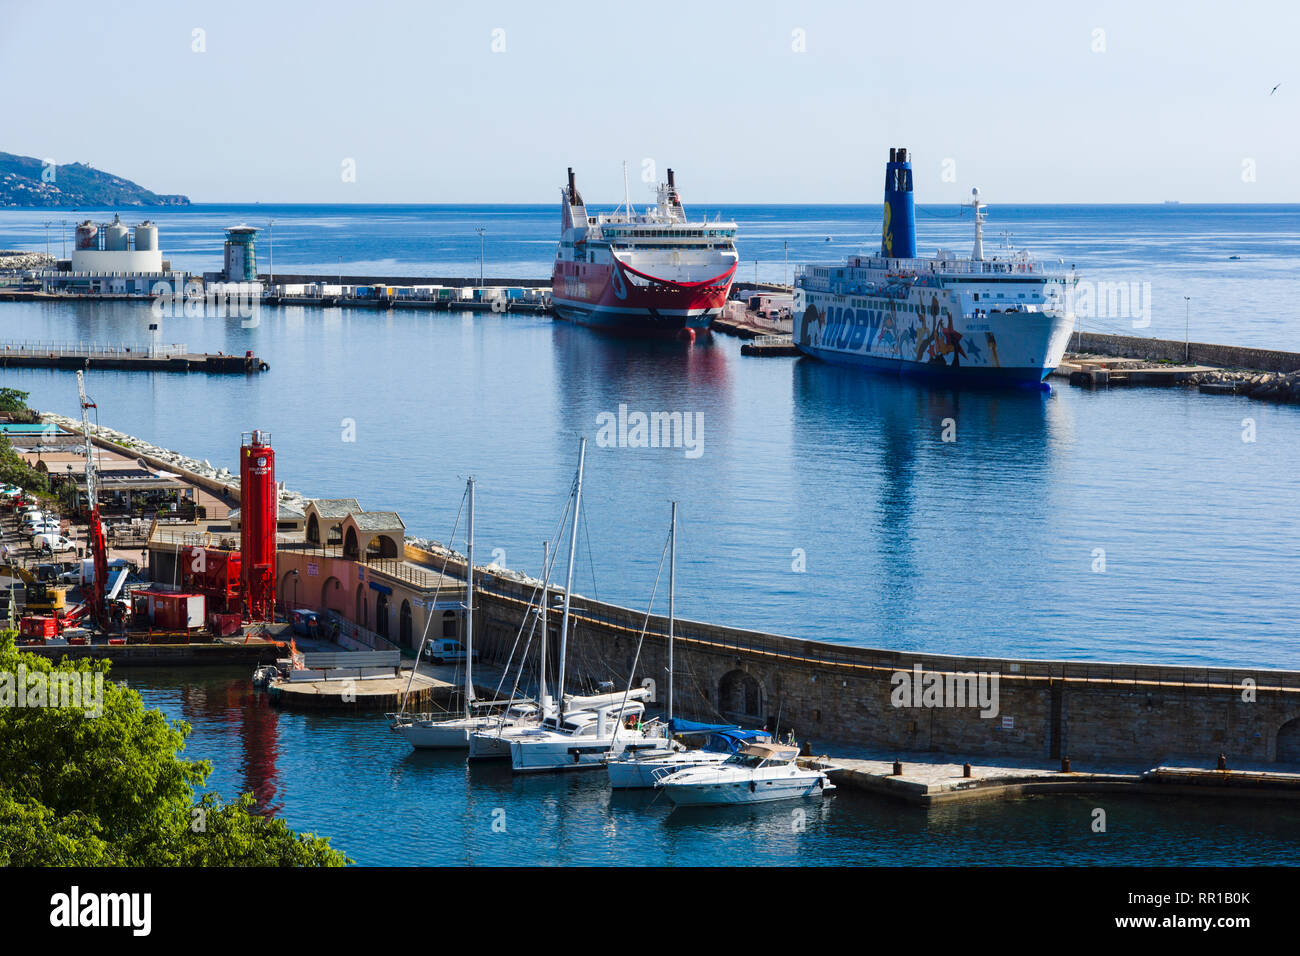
(1288, 742)
(740, 697)
(332, 596)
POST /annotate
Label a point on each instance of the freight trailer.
(169, 611)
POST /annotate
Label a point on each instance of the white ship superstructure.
(999, 316)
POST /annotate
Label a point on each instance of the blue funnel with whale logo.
(898, 234)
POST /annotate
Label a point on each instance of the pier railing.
(404, 571)
(91, 350)
(355, 632)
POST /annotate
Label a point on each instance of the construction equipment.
(42, 598)
(96, 605)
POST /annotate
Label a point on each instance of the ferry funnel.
(898, 234)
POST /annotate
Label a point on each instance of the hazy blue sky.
(1027, 100)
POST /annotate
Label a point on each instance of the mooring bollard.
(1065, 765)
(1223, 762)
(965, 769)
(898, 769)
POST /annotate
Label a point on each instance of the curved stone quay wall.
(914, 702)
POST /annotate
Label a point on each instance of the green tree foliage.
(14, 470)
(77, 789)
(13, 402)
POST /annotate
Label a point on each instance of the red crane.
(94, 599)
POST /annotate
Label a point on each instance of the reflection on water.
(348, 777)
(824, 502)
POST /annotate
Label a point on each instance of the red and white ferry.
(642, 273)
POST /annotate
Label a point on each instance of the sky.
(779, 102)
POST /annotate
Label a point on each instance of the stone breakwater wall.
(838, 693)
(1197, 353)
(219, 481)
(15, 260)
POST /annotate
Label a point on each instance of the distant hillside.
(76, 184)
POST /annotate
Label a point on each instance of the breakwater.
(824, 692)
(1191, 353)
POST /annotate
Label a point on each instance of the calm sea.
(350, 778)
(1120, 525)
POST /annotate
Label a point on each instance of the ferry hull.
(615, 300)
(992, 349)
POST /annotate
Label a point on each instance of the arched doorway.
(381, 615)
(404, 625)
(740, 698)
(331, 596)
(350, 547)
(360, 616)
(313, 529)
(1288, 742)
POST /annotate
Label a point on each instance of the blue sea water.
(1181, 250)
(1130, 525)
(348, 777)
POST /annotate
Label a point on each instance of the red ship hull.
(620, 298)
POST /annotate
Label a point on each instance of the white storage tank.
(116, 236)
(146, 236)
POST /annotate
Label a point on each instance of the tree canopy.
(79, 789)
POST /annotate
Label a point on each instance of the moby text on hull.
(996, 319)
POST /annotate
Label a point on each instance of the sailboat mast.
(568, 581)
(546, 600)
(469, 605)
(672, 596)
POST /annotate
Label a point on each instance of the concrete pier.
(928, 779)
(373, 694)
(138, 358)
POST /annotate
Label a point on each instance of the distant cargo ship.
(652, 273)
(1003, 318)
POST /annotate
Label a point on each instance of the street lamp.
(270, 226)
(480, 230)
(1187, 331)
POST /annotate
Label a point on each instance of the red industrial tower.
(258, 510)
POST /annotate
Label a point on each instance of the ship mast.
(977, 253)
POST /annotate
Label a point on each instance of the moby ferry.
(998, 318)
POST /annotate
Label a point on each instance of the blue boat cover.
(678, 726)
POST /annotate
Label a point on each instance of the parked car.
(446, 651)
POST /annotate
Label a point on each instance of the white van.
(445, 650)
(52, 540)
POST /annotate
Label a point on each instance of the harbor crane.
(95, 596)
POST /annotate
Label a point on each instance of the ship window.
(977, 296)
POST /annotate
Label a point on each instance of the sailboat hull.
(542, 751)
(443, 734)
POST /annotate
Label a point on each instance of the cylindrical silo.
(87, 236)
(146, 237)
(115, 235)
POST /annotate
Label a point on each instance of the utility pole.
(787, 262)
(270, 226)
